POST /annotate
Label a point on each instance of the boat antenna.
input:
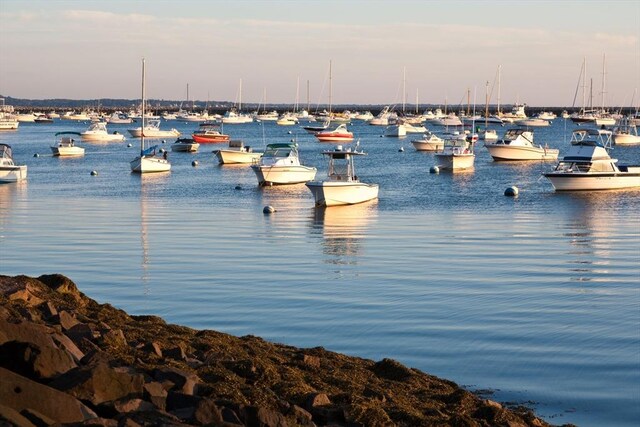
(142, 111)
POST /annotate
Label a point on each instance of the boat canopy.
(68, 133)
(151, 151)
(5, 151)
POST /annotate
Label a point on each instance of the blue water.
(535, 297)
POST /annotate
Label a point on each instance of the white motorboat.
(532, 122)
(280, 164)
(626, 134)
(456, 155)
(119, 117)
(382, 119)
(489, 135)
(237, 153)
(414, 127)
(8, 122)
(66, 147)
(398, 130)
(429, 142)
(517, 144)
(587, 165)
(98, 132)
(185, 145)
(448, 120)
(342, 186)
(149, 159)
(9, 171)
(517, 113)
(152, 130)
(339, 134)
(287, 119)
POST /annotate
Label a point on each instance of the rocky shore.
(65, 359)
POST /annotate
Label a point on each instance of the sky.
(381, 52)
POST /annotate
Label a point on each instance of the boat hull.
(577, 181)
(106, 137)
(13, 173)
(67, 151)
(281, 175)
(626, 139)
(237, 157)
(333, 138)
(332, 193)
(137, 133)
(503, 152)
(150, 165)
(185, 148)
(455, 161)
(428, 145)
(210, 139)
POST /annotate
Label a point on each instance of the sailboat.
(148, 161)
(340, 133)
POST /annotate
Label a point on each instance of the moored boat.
(588, 166)
(97, 131)
(339, 134)
(342, 187)
(9, 171)
(237, 153)
(185, 145)
(280, 164)
(209, 134)
(456, 155)
(66, 147)
(429, 142)
(152, 130)
(517, 144)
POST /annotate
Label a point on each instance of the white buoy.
(289, 132)
(268, 210)
(36, 155)
(94, 173)
(194, 163)
(164, 141)
(434, 169)
(129, 145)
(511, 191)
(401, 149)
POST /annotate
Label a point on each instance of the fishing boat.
(209, 134)
(588, 166)
(185, 145)
(237, 153)
(152, 130)
(397, 130)
(342, 187)
(280, 164)
(66, 147)
(429, 142)
(626, 134)
(339, 134)
(97, 131)
(9, 171)
(457, 154)
(517, 144)
(149, 159)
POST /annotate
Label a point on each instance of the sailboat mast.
(142, 119)
(584, 84)
(499, 75)
(404, 88)
(330, 89)
(486, 106)
(603, 80)
(308, 101)
(240, 97)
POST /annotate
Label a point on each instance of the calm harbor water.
(536, 298)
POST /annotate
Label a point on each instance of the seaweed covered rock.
(65, 359)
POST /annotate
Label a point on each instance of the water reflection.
(344, 229)
(10, 196)
(151, 186)
(591, 226)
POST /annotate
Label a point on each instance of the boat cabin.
(341, 166)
